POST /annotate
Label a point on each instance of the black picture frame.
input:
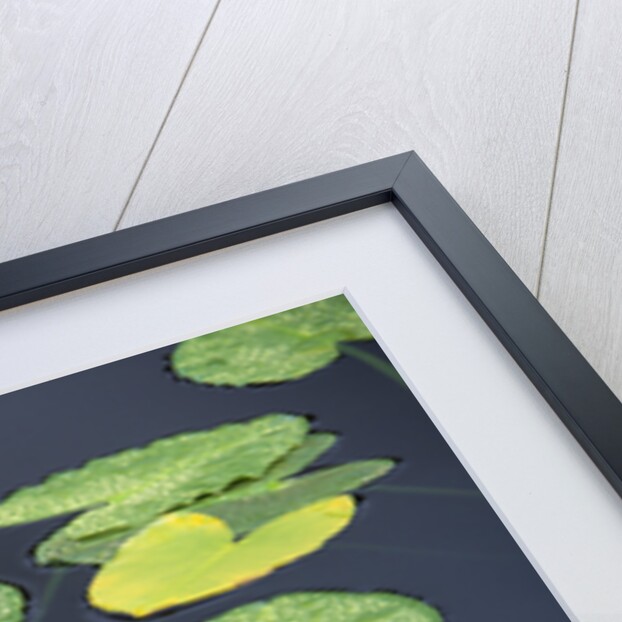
(572, 388)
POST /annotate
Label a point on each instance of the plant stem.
(402, 550)
(425, 490)
(49, 592)
(374, 362)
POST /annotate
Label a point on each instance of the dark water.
(446, 546)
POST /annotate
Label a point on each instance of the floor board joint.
(167, 115)
(547, 218)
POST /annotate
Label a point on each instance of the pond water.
(424, 530)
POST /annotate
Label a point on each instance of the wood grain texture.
(84, 87)
(282, 91)
(582, 271)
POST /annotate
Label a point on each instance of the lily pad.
(280, 347)
(241, 513)
(138, 484)
(185, 557)
(247, 513)
(296, 460)
(12, 604)
(336, 607)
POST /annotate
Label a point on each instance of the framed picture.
(328, 401)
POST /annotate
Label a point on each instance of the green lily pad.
(12, 604)
(336, 607)
(242, 514)
(136, 485)
(296, 460)
(280, 347)
(247, 513)
(185, 557)
(63, 548)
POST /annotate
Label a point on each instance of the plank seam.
(547, 218)
(166, 115)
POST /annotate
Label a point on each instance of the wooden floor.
(116, 113)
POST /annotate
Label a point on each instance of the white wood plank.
(281, 91)
(84, 87)
(582, 275)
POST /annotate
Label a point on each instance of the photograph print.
(275, 471)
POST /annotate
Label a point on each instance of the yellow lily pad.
(185, 557)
